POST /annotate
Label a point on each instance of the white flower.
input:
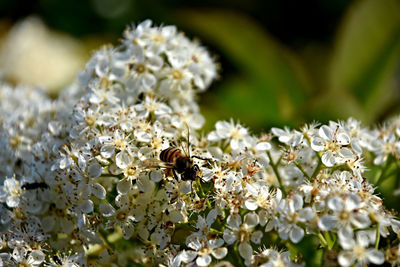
(291, 212)
(292, 138)
(345, 212)
(334, 142)
(236, 134)
(243, 232)
(358, 251)
(10, 192)
(122, 143)
(203, 248)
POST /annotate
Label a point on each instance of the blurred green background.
(283, 62)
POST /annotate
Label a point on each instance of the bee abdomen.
(170, 154)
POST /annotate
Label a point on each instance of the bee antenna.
(188, 140)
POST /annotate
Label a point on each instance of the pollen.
(177, 74)
(121, 144)
(140, 68)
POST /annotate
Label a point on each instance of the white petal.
(234, 144)
(256, 237)
(229, 237)
(278, 132)
(352, 202)
(144, 137)
(127, 230)
(270, 225)
(296, 234)
(144, 233)
(98, 191)
(335, 203)
(234, 221)
(48, 223)
(360, 220)
(123, 186)
(297, 201)
(328, 159)
(245, 250)
(216, 243)
(213, 137)
(251, 204)
(19, 254)
(66, 226)
(219, 253)
(317, 144)
(106, 210)
(86, 206)
(148, 80)
(123, 159)
(156, 176)
(175, 216)
(187, 256)
(375, 256)
(36, 257)
(262, 146)
(211, 216)
(346, 258)
(185, 187)
(343, 139)
(306, 214)
(204, 260)
(107, 151)
(145, 184)
(223, 129)
(362, 238)
(251, 219)
(325, 132)
(346, 153)
(193, 241)
(327, 222)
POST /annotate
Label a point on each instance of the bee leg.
(197, 157)
(175, 175)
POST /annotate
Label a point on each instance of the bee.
(181, 162)
(35, 185)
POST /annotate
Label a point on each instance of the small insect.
(35, 185)
(181, 162)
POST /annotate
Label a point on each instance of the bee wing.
(155, 163)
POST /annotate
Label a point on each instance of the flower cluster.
(114, 172)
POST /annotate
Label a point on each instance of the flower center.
(140, 68)
(177, 74)
(90, 120)
(121, 216)
(120, 144)
(359, 251)
(14, 141)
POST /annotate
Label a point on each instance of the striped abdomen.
(170, 154)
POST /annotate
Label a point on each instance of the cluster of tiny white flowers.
(83, 182)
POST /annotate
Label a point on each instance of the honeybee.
(35, 185)
(181, 162)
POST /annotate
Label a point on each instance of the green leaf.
(272, 83)
(366, 55)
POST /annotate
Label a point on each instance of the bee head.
(183, 164)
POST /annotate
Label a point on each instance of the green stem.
(216, 231)
(329, 240)
(323, 240)
(378, 237)
(201, 191)
(302, 169)
(382, 176)
(275, 168)
(316, 171)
